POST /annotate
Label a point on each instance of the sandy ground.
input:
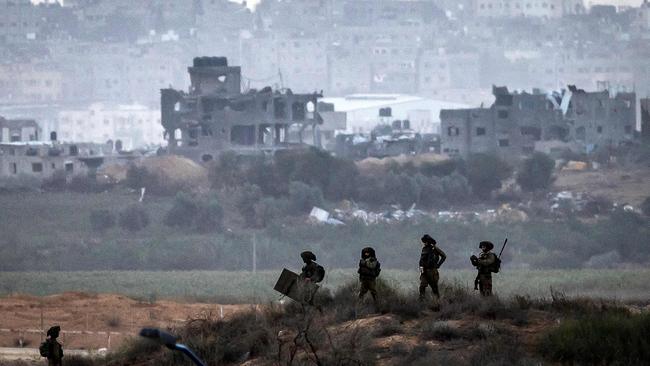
(618, 185)
(92, 321)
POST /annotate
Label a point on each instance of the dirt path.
(92, 321)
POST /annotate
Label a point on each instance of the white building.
(134, 125)
(528, 8)
(363, 111)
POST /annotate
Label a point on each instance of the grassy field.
(246, 287)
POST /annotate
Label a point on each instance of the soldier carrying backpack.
(486, 264)
(369, 269)
(311, 274)
(431, 259)
(51, 349)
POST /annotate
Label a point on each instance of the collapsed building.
(215, 115)
(24, 154)
(520, 123)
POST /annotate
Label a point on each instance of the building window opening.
(503, 114)
(599, 129)
(533, 132)
(504, 143)
(280, 109)
(480, 131)
(14, 168)
(69, 167)
(265, 135)
(74, 150)
(206, 158)
(298, 111)
(37, 167)
(453, 131)
(242, 135)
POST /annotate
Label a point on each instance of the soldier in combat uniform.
(431, 259)
(311, 274)
(54, 348)
(483, 264)
(369, 268)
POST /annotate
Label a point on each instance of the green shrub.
(605, 339)
(456, 188)
(269, 209)
(246, 197)
(86, 184)
(203, 213)
(134, 218)
(140, 177)
(402, 189)
(536, 172)
(431, 191)
(57, 182)
(210, 216)
(485, 172)
(101, 220)
(183, 212)
(243, 336)
(303, 197)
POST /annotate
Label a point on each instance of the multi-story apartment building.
(528, 8)
(135, 126)
(30, 83)
(215, 115)
(518, 123)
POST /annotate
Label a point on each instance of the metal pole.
(254, 253)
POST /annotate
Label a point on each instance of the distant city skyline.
(253, 3)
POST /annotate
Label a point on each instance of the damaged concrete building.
(215, 115)
(520, 123)
(24, 154)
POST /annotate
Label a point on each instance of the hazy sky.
(588, 2)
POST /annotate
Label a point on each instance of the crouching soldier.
(485, 264)
(51, 349)
(369, 268)
(431, 259)
(312, 273)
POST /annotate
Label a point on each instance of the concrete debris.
(319, 215)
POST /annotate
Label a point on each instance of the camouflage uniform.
(55, 350)
(431, 259)
(307, 283)
(484, 263)
(369, 268)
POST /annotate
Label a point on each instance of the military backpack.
(496, 266)
(320, 273)
(44, 349)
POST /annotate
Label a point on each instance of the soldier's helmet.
(307, 255)
(486, 244)
(426, 239)
(369, 250)
(54, 331)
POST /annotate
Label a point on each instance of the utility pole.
(254, 253)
